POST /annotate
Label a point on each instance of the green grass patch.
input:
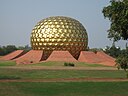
(82, 64)
(3, 77)
(7, 63)
(77, 64)
(52, 63)
(49, 74)
(48, 64)
(64, 89)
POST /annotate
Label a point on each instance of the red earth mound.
(107, 60)
(89, 57)
(33, 56)
(12, 55)
(98, 58)
(61, 56)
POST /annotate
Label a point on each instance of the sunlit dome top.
(59, 33)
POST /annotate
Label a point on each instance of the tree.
(7, 49)
(117, 13)
(26, 47)
(113, 51)
(10, 48)
(122, 62)
(95, 50)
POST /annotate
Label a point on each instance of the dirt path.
(59, 68)
(69, 80)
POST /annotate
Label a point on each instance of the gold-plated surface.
(59, 33)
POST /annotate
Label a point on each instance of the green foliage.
(10, 48)
(26, 47)
(116, 51)
(122, 62)
(7, 49)
(69, 64)
(95, 50)
(113, 51)
(117, 13)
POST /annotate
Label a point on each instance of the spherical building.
(59, 33)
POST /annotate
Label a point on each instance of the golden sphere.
(59, 33)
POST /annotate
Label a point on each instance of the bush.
(65, 64)
(69, 64)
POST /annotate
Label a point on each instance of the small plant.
(65, 64)
(69, 64)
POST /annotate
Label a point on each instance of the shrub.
(69, 64)
(65, 64)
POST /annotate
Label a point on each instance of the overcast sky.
(18, 17)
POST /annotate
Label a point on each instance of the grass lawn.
(64, 89)
(8, 73)
(59, 88)
(7, 63)
(77, 64)
(50, 74)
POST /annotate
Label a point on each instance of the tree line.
(10, 48)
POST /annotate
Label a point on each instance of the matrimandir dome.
(59, 33)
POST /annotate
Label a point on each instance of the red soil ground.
(98, 58)
(107, 60)
(33, 56)
(89, 57)
(12, 55)
(61, 56)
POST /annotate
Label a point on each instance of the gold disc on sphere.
(59, 33)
